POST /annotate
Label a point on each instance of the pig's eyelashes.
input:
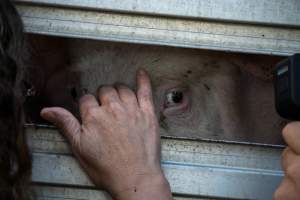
(176, 101)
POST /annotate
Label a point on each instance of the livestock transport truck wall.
(210, 64)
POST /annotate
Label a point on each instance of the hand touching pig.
(118, 141)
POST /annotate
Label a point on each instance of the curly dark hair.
(15, 160)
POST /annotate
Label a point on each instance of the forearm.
(157, 188)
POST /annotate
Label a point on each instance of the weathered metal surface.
(192, 168)
(63, 193)
(275, 12)
(160, 30)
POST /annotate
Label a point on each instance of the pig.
(198, 94)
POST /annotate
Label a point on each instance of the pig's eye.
(173, 98)
(176, 101)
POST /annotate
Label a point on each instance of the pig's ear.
(260, 66)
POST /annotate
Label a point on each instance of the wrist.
(150, 186)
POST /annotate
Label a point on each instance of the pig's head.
(197, 94)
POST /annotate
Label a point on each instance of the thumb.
(65, 121)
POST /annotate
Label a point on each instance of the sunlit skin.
(289, 188)
(118, 141)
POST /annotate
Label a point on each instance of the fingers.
(291, 134)
(87, 102)
(144, 91)
(65, 121)
(291, 166)
(288, 157)
(108, 95)
(286, 191)
(290, 186)
(127, 96)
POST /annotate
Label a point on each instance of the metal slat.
(272, 12)
(160, 31)
(192, 168)
(65, 193)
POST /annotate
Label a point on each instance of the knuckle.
(130, 96)
(127, 94)
(115, 106)
(92, 112)
(85, 98)
(123, 88)
(290, 171)
(106, 90)
(285, 153)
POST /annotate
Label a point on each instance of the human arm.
(117, 143)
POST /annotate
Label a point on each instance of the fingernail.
(46, 113)
(44, 110)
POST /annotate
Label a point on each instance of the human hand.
(118, 142)
(289, 188)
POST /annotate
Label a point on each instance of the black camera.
(287, 87)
